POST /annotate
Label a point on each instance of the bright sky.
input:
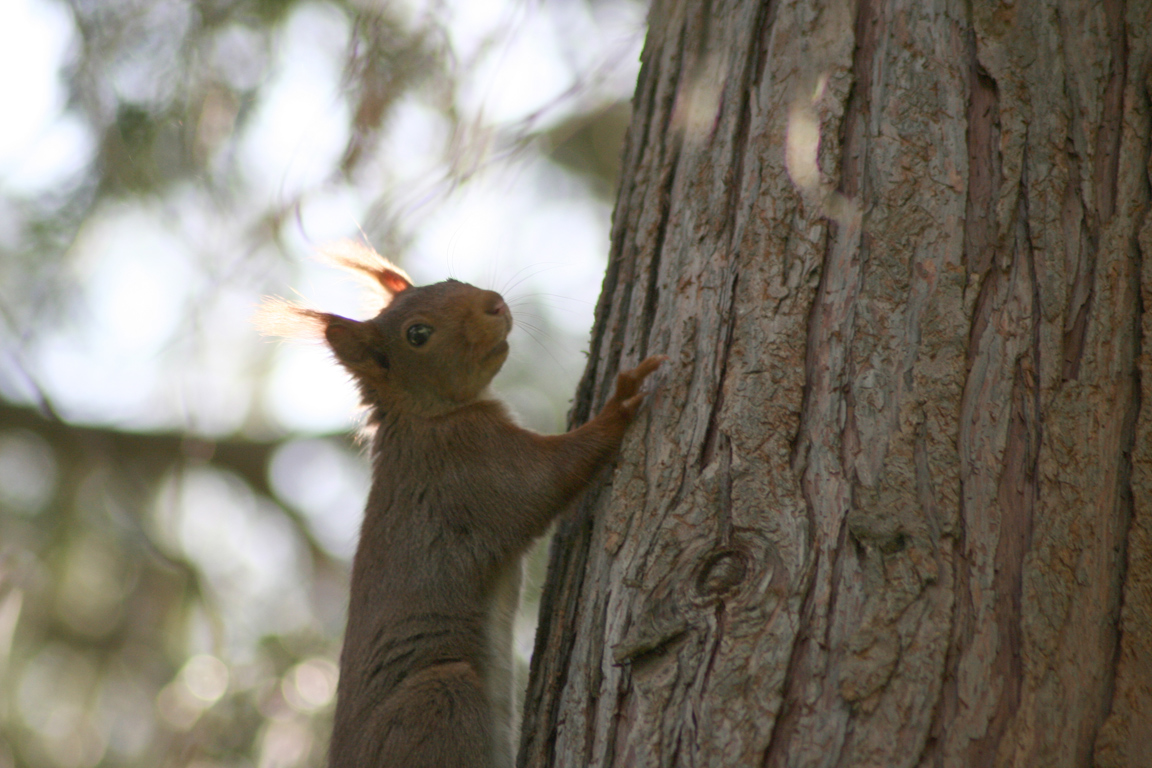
(163, 338)
(143, 264)
(39, 145)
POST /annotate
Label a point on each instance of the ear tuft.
(381, 275)
(280, 317)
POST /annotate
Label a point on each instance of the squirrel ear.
(368, 265)
(346, 337)
(393, 280)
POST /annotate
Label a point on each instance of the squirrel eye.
(418, 334)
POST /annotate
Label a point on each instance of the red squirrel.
(459, 491)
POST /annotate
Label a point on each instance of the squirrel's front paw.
(628, 395)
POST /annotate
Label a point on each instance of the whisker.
(524, 297)
(543, 332)
(559, 296)
(514, 275)
(450, 256)
(521, 312)
(545, 348)
(493, 270)
(569, 310)
(512, 287)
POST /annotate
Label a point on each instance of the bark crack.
(568, 556)
(980, 247)
(595, 680)
(980, 225)
(1018, 496)
(827, 368)
(1107, 175)
(775, 751)
(724, 348)
(756, 57)
(1105, 181)
(568, 552)
(1129, 441)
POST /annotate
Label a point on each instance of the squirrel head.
(429, 350)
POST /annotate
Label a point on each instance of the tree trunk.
(890, 503)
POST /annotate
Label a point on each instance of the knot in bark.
(722, 571)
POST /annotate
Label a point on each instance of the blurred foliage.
(112, 637)
(133, 632)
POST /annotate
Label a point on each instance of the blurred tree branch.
(147, 458)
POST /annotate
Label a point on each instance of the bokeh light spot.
(310, 685)
(206, 677)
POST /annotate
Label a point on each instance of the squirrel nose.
(497, 307)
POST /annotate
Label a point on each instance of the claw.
(628, 383)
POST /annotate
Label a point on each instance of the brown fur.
(458, 493)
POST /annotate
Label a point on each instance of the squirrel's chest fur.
(428, 587)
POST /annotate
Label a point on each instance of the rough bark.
(891, 504)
